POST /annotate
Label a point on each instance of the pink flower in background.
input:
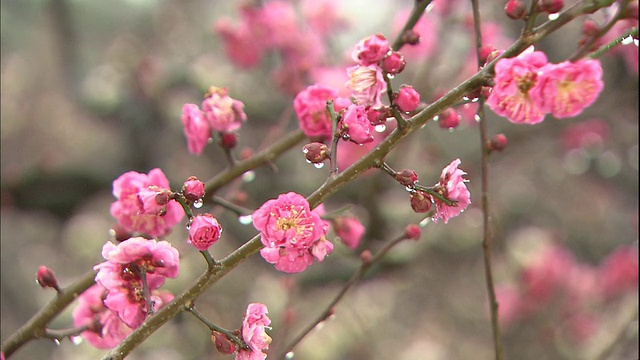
(371, 50)
(407, 98)
(240, 44)
(367, 85)
(253, 332)
(310, 106)
(355, 125)
(223, 113)
(542, 279)
(618, 273)
(508, 298)
(129, 211)
(196, 128)
(106, 330)
(349, 229)
(589, 134)
(289, 231)
(451, 186)
(273, 23)
(322, 16)
(569, 87)
(516, 88)
(121, 275)
(204, 231)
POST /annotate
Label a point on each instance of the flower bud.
(449, 119)
(407, 177)
(412, 232)
(316, 152)
(551, 6)
(485, 51)
(223, 343)
(204, 231)
(46, 278)
(497, 143)
(228, 140)
(193, 189)
(411, 37)
(377, 116)
(515, 9)
(394, 63)
(407, 99)
(420, 201)
(366, 257)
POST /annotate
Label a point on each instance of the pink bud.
(228, 140)
(366, 257)
(485, 52)
(412, 232)
(223, 343)
(497, 143)
(46, 278)
(377, 116)
(204, 231)
(515, 9)
(407, 177)
(551, 6)
(411, 37)
(193, 189)
(315, 152)
(394, 63)
(407, 99)
(449, 119)
(420, 201)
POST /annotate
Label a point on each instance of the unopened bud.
(551, 6)
(46, 278)
(377, 116)
(412, 232)
(516, 9)
(410, 37)
(228, 140)
(497, 143)
(193, 189)
(407, 177)
(420, 201)
(449, 119)
(366, 257)
(315, 152)
(223, 343)
(394, 63)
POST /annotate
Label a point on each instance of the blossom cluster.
(528, 87)
(555, 279)
(220, 113)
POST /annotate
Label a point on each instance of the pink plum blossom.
(290, 232)
(310, 106)
(253, 332)
(240, 44)
(129, 211)
(106, 330)
(371, 50)
(322, 17)
(122, 275)
(204, 231)
(451, 186)
(355, 125)
(223, 113)
(569, 87)
(196, 128)
(407, 98)
(514, 95)
(618, 272)
(367, 85)
(349, 229)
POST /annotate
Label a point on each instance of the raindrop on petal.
(249, 176)
(380, 128)
(245, 219)
(318, 165)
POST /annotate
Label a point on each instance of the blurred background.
(91, 90)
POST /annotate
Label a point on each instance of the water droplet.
(249, 176)
(474, 100)
(390, 76)
(198, 203)
(210, 140)
(424, 222)
(76, 340)
(626, 41)
(112, 233)
(553, 16)
(477, 118)
(436, 118)
(320, 325)
(56, 341)
(308, 161)
(319, 165)
(305, 150)
(245, 219)
(380, 128)
(409, 188)
(290, 355)
(465, 98)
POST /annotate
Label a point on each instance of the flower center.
(526, 82)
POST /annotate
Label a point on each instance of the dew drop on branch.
(198, 203)
(318, 165)
(290, 355)
(245, 219)
(249, 176)
(56, 341)
(76, 340)
(380, 128)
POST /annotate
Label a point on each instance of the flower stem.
(214, 327)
